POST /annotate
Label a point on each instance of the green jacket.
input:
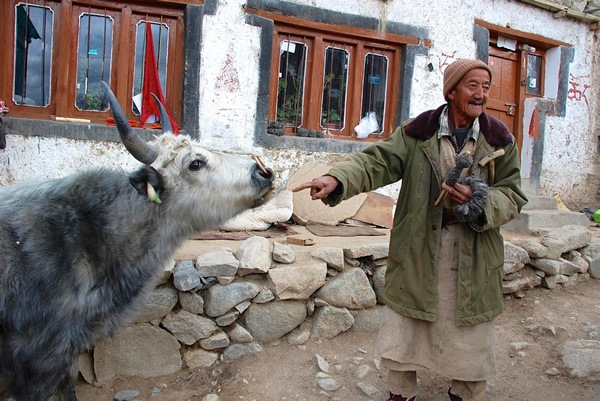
(411, 154)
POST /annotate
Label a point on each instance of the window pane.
(290, 92)
(534, 74)
(33, 50)
(335, 82)
(160, 38)
(94, 58)
(374, 88)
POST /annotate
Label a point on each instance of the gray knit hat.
(457, 70)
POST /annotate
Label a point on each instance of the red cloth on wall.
(151, 84)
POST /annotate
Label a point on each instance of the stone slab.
(306, 209)
(531, 220)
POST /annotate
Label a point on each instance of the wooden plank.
(122, 77)
(182, 2)
(7, 22)
(64, 59)
(176, 88)
(300, 241)
(119, 5)
(70, 120)
(534, 39)
(562, 10)
(377, 209)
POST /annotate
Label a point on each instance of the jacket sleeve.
(506, 197)
(378, 165)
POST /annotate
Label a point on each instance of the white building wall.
(229, 87)
(229, 79)
(27, 157)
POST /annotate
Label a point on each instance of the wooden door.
(504, 101)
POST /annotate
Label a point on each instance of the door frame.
(486, 35)
(514, 56)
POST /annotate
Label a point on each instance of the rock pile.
(565, 255)
(226, 304)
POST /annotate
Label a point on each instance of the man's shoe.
(454, 397)
(398, 397)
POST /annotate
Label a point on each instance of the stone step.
(541, 202)
(543, 213)
(533, 220)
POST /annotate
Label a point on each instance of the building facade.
(297, 81)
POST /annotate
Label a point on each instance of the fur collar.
(426, 124)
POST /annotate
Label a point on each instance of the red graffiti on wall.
(578, 89)
(228, 78)
(534, 124)
(445, 60)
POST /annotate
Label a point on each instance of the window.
(290, 88)
(375, 88)
(328, 79)
(61, 51)
(32, 61)
(534, 74)
(291, 82)
(335, 83)
(94, 57)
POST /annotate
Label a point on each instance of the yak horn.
(138, 148)
(165, 121)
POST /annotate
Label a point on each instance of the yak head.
(200, 188)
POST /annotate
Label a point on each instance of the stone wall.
(225, 304)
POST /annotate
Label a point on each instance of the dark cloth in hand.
(462, 161)
(472, 210)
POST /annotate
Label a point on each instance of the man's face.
(468, 98)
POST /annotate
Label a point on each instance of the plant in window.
(91, 101)
(331, 116)
(289, 112)
(290, 100)
(334, 90)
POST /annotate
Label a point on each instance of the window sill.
(349, 145)
(68, 130)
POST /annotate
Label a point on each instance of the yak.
(79, 253)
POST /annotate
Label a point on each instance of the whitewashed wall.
(28, 157)
(229, 87)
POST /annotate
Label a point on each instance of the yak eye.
(196, 165)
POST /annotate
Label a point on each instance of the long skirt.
(458, 352)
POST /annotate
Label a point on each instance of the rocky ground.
(531, 334)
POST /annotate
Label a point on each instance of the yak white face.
(202, 189)
(207, 188)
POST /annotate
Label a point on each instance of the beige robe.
(458, 352)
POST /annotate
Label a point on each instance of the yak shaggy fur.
(80, 252)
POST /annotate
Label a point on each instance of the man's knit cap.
(457, 70)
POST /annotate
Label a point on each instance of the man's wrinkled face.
(469, 96)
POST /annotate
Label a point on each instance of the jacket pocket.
(493, 244)
(401, 238)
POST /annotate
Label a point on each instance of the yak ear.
(147, 175)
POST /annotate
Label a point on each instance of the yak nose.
(264, 172)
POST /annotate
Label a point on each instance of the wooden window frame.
(542, 78)
(64, 55)
(363, 42)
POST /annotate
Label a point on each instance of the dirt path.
(285, 372)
